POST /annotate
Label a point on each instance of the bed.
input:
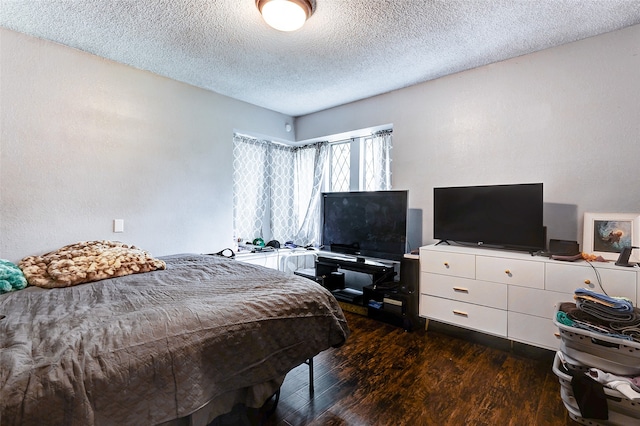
(175, 346)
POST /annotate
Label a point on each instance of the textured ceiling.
(348, 50)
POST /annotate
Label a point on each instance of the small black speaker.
(409, 275)
(410, 286)
(334, 281)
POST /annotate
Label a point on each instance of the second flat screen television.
(504, 216)
(372, 224)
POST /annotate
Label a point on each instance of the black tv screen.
(504, 216)
(371, 224)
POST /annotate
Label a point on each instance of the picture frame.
(606, 234)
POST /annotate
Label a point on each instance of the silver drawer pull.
(461, 289)
(460, 313)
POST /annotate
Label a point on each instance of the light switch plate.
(118, 225)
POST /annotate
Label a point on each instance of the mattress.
(153, 347)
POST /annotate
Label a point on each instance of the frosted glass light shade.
(285, 15)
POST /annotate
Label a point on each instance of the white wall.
(84, 141)
(568, 117)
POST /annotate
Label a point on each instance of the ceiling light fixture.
(285, 15)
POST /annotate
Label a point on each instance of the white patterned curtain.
(282, 220)
(250, 197)
(311, 167)
(276, 190)
(377, 169)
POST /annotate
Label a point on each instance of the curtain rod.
(378, 133)
(253, 139)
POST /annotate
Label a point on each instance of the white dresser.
(510, 294)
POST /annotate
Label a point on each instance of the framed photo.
(606, 234)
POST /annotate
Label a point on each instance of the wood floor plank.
(384, 375)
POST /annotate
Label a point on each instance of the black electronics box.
(563, 247)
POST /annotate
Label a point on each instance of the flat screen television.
(367, 224)
(502, 216)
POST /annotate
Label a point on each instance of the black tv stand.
(443, 242)
(393, 302)
(327, 267)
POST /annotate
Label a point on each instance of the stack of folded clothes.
(611, 316)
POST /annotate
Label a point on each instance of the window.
(277, 188)
(361, 164)
(340, 167)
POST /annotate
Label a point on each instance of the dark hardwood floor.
(444, 376)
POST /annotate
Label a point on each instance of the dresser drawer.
(510, 271)
(467, 315)
(533, 301)
(567, 277)
(445, 263)
(464, 290)
(535, 331)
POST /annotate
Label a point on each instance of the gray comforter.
(148, 348)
